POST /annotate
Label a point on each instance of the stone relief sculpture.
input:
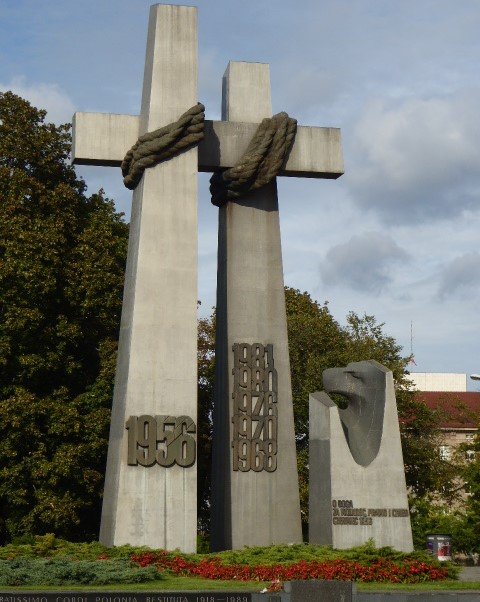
(357, 478)
(363, 385)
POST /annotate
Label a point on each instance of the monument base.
(357, 478)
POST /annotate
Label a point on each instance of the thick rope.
(162, 144)
(262, 161)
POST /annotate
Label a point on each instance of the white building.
(439, 381)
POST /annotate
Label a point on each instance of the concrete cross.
(154, 505)
(255, 495)
(156, 375)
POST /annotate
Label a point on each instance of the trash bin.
(440, 546)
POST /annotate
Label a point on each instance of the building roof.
(458, 409)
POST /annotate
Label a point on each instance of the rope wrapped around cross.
(265, 156)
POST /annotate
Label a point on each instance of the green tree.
(471, 479)
(62, 257)
(447, 498)
(206, 376)
(430, 518)
(317, 342)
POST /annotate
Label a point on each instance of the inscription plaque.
(345, 513)
(126, 596)
(163, 440)
(255, 409)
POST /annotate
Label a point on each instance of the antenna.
(412, 359)
(411, 337)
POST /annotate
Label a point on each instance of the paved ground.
(470, 573)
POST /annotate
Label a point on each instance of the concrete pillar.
(253, 507)
(157, 364)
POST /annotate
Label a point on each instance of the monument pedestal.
(357, 477)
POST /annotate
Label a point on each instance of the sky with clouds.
(398, 235)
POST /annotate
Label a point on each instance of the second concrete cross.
(255, 495)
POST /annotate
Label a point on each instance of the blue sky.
(398, 235)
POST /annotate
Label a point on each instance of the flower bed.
(380, 570)
(269, 564)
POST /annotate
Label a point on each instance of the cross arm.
(103, 139)
(316, 153)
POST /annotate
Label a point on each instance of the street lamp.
(475, 376)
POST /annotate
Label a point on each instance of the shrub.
(48, 546)
(34, 572)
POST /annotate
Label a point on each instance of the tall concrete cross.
(150, 491)
(255, 495)
(150, 496)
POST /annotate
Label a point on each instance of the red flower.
(410, 571)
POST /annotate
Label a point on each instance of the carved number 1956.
(163, 440)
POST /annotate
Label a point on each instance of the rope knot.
(162, 144)
(260, 164)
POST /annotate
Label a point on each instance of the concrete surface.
(162, 249)
(316, 153)
(157, 362)
(251, 508)
(346, 483)
(103, 138)
(470, 573)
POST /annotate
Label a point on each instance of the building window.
(470, 455)
(445, 453)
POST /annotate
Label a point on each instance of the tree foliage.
(316, 342)
(471, 479)
(62, 257)
(206, 375)
(449, 503)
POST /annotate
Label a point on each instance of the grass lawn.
(179, 584)
(419, 587)
(167, 583)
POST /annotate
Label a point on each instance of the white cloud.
(58, 104)
(363, 263)
(305, 91)
(460, 276)
(417, 159)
